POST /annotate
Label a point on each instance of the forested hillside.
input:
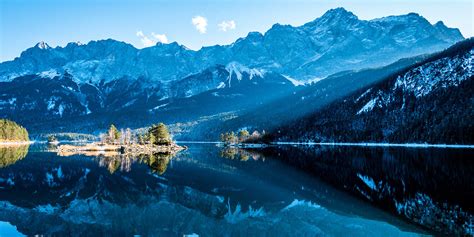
(429, 102)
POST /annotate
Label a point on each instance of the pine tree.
(113, 134)
(243, 135)
(161, 134)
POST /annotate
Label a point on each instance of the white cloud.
(226, 25)
(147, 42)
(200, 23)
(160, 37)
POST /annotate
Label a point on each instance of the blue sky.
(191, 23)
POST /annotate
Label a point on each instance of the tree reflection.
(52, 147)
(235, 153)
(157, 162)
(112, 163)
(10, 155)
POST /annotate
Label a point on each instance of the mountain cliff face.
(429, 102)
(336, 41)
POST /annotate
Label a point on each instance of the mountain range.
(85, 87)
(336, 41)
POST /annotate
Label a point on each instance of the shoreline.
(16, 143)
(375, 144)
(363, 144)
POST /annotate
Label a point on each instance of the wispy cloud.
(147, 42)
(226, 25)
(200, 23)
(160, 37)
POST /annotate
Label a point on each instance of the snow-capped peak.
(42, 45)
(238, 69)
(339, 12)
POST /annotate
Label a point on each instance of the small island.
(243, 139)
(12, 133)
(156, 140)
(52, 139)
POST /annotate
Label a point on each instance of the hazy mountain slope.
(429, 102)
(304, 100)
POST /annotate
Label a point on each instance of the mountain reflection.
(113, 194)
(10, 155)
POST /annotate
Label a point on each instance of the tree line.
(158, 134)
(242, 136)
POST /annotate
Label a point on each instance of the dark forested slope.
(431, 101)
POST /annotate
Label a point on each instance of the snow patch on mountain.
(42, 45)
(294, 81)
(49, 74)
(444, 72)
(380, 100)
(422, 80)
(61, 110)
(368, 181)
(159, 106)
(364, 94)
(303, 203)
(368, 107)
(237, 69)
(129, 103)
(314, 80)
(88, 111)
(221, 85)
(52, 102)
(237, 215)
(10, 101)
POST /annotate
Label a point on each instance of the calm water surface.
(211, 191)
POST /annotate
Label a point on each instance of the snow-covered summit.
(42, 45)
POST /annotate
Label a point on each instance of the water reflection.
(199, 191)
(52, 147)
(11, 154)
(235, 153)
(157, 162)
(431, 187)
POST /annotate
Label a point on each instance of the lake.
(213, 191)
